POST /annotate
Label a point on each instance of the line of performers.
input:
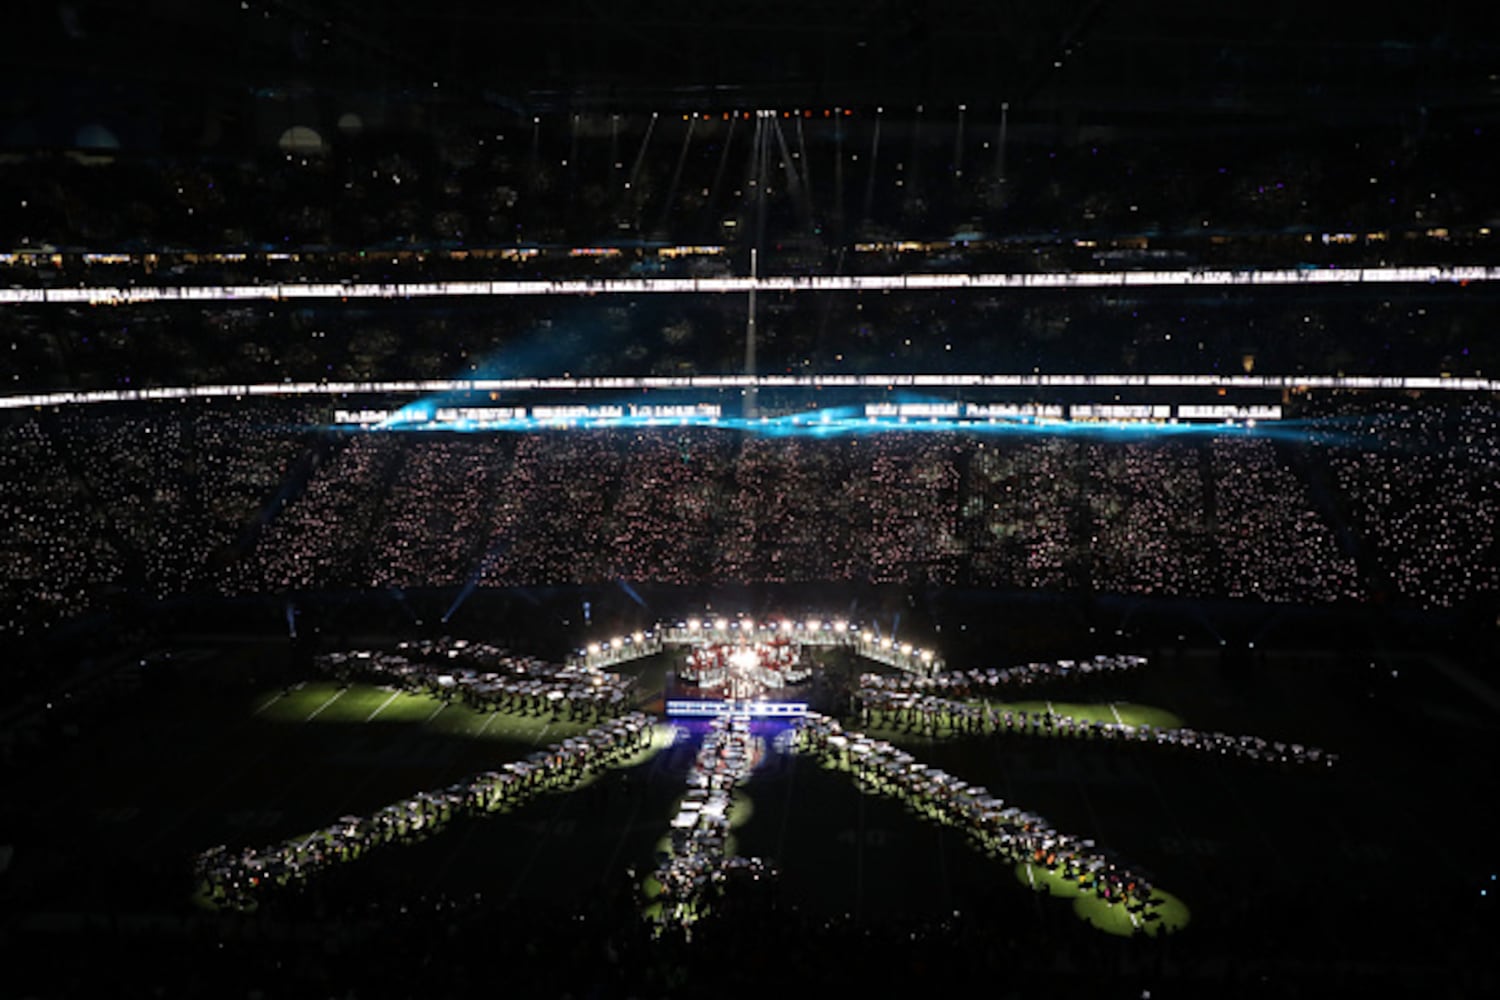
(978, 683)
(933, 716)
(1001, 831)
(486, 678)
(699, 865)
(236, 879)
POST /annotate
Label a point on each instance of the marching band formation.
(904, 701)
(486, 678)
(699, 860)
(1001, 831)
(235, 879)
(698, 865)
(977, 683)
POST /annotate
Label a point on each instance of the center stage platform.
(701, 708)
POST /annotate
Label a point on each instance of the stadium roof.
(1065, 57)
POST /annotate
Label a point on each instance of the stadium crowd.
(280, 142)
(1424, 488)
(1393, 502)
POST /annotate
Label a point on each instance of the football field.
(204, 760)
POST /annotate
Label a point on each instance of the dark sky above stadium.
(1090, 57)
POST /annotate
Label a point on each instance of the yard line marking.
(393, 697)
(325, 704)
(1030, 876)
(274, 699)
(1116, 712)
(492, 718)
(441, 705)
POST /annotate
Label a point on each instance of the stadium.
(649, 501)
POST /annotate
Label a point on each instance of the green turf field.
(326, 703)
(1166, 912)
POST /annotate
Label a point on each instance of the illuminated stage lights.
(619, 649)
(815, 630)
